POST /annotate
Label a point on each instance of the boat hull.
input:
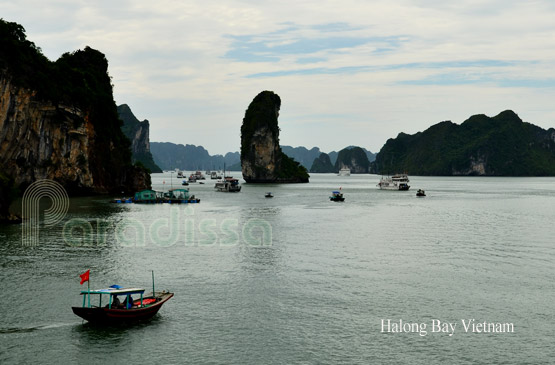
(114, 316)
(394, 187)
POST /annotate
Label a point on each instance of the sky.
(348, 72)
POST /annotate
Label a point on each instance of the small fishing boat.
(337, 196)
(116, 312)
(269, 195)
(420, 192)
(184, 183)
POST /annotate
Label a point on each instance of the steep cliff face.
(138, 133)
(41, 140)
(58, 120)
(262, 160)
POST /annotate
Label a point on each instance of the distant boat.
(214, 175)
(269, 195)
(337, 196)
(184, 183)
(420, 192)
(395, 182)
(229, 184)
(344, 172)
(179, 174)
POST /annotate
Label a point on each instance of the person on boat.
(128, 302)
(115, 301)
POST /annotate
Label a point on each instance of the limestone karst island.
(262, 159)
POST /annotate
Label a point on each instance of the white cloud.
(354, 72)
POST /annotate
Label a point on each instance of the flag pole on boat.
(153, 292)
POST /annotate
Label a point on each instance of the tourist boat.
(192, 178)
(131, 310)
(420, 192)
(269, 195)
(214, 175)
(229, 184)
(337, 196)
(395, 182)
(198, 175)
(344, 172)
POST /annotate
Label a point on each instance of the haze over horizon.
(357, 73)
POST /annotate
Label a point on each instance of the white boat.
(229, 184)
(395, 182)
(214, 175)
(179, 173)
(344, 172)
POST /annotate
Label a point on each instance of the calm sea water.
(295, 279)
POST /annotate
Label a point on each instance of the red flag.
(85, 276)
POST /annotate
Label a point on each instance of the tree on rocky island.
(322, 164)
(262, 160)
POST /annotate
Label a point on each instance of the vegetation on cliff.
(354, 158)
(503, 145)
(77, 83)
(262, 159)
(322, 164)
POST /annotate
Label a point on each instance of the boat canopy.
(115, 291)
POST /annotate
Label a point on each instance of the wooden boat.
(337, 196)
(113, 312)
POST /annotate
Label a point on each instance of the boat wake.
(35, 328)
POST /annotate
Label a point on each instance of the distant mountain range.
(170, 156)
(503, 145)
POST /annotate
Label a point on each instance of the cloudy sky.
(348, 72)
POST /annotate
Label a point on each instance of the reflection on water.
(473, 248)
